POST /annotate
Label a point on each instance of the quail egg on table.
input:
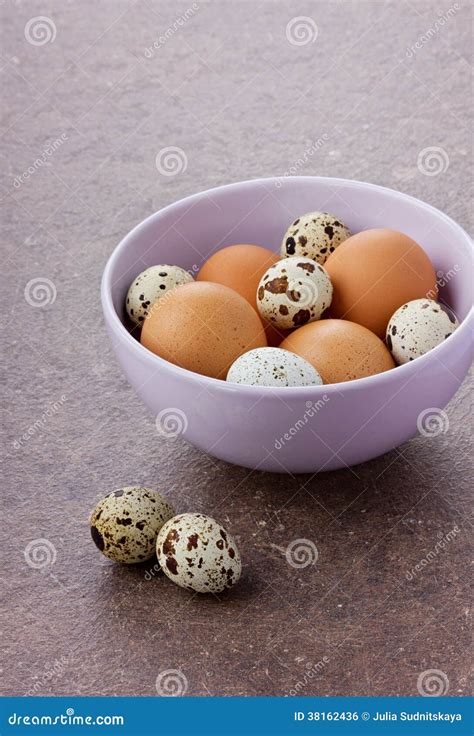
(315, 235)
(417, 327)
(293, 291)
(149, 286)
(196, 553)
(273, 367)
(125, 523)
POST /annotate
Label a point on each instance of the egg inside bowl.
(298, 429)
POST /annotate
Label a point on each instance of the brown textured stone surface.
(241, 101)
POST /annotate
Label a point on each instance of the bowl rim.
(408, 370)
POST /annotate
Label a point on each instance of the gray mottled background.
(243, 94)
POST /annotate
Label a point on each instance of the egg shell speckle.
(315, 235)
(125, 523)
(273, 367)
(417, 327)
(197, 553)
(150, 285)
(293, 292)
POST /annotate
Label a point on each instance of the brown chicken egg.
(240, 267)
(340, 350)
(376, 271)
(203, 327)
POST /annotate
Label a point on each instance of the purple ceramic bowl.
(292, 430)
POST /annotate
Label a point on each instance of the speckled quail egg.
(417, 327)
(196, 553)
(149, 286)
(273, 367)
(125, 523)
(315, 235)
(293, 291)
